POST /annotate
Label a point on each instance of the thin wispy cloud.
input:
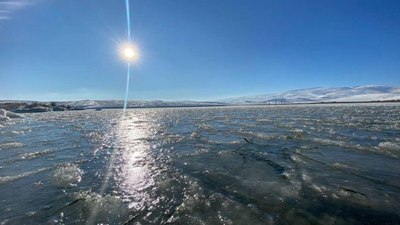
(9, 7)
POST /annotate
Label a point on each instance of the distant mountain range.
(366, 93)
(311, 95)
(319, 94)
(93, 104)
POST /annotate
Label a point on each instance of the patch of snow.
(13, 115)
(6, 115)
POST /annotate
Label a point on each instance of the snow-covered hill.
(310, 95)
(319, 94)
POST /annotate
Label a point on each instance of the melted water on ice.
(320, 164)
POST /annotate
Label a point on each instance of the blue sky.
(196, 50)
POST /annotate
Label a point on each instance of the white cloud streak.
(9, 7)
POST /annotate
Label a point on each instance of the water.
(307, 164)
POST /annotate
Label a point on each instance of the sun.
(130, 52)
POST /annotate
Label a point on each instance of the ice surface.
(10, 145)
(6, 179)
(297, 164)
(67, 175)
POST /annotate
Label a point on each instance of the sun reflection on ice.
(133, 170)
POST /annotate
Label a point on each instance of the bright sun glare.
(129, 53)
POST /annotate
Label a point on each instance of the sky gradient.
(194, 50)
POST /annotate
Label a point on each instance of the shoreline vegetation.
(37, 107)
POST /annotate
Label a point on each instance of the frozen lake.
(304, 164)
